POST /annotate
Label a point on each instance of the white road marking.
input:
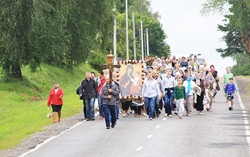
(158, 126)
(164, 119)
(246, 122)
(50, 139)
(149, 136)
(139, 148)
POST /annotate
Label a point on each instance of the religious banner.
(131, 76)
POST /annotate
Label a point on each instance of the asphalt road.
(217, 133)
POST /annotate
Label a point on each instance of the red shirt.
(101, 85)
(54, 97)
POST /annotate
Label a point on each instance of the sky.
(189, 32)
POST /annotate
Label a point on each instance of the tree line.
(68, 33)
(236, 28)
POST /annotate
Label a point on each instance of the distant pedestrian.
(88, 91)
(230, 91)
(56, 101)
(180, 97)
(189, 86)
(225, 79)
(109, 93)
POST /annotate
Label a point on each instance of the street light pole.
(134, 36)
(115, 59)
(142, 51)
(147, 42)
(127, 30)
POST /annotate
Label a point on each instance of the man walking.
(225, 79)
(109, 93)
(101, 81)
(169, 84)
(88, 91)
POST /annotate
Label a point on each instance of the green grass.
(23, 102)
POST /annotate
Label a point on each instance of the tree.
(15, 29)
(237, 29)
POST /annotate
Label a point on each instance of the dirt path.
(243, 85)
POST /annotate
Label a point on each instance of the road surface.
(220, 133)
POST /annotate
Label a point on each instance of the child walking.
(180, 97)
(230, 91)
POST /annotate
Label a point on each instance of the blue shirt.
(230, 88)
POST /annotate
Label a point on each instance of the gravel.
(37, 138)
(243, 85)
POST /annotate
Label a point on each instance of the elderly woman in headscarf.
(209, 90)
(199, 95)
(189, 85)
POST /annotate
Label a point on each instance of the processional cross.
(110, 66)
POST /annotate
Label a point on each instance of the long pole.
(134, 36)
(127, 30)
(142, 51)
(115, 59)
(147, 42)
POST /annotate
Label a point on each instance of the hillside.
(23, 102)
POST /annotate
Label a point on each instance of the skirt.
(56, 108)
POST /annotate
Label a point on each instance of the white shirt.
(150, 89)
(56, 89)
(185, 84)
(168, 82)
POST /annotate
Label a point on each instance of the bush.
(96, 59)
(243, 65)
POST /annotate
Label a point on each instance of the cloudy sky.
(190, 32)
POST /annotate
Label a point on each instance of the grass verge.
(23, 102)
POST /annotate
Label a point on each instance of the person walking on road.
(109, 93)
(230, 91)
(225, 79)
(189, 86)
(88, 91)
(101, 82)
(168, 85)
(180, 97)
(56, 101)
(199, 98)
(150, 91)
(157, 100)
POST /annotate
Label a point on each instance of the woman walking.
(189, 85)
(56, 101)
(199, 98)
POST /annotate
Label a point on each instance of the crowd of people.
(172, 85)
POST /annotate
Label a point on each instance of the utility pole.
(127, 48)
(115, 58)
(134, 36)
(142, 51)
(147, 42)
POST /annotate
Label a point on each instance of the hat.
(189, 66)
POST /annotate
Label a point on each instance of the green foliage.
(96, 58)
(243, 65)
(215, 6)
(237, 29)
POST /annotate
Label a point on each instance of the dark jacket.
(104, 94)
(88, 89)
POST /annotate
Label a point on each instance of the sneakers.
(59, 120)
(108, 127)
(170, 116)
(189, 115)
(150, 118)
(200, 113)
(230, 108)
(208, 109)
(54, 121)
(166, 115)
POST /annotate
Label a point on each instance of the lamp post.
(110, 65)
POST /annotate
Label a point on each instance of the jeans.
(100, 103)
(117, 110)
(109, 110)
(150, 105)
(169, 103)
(157, 105)
(89, 103)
